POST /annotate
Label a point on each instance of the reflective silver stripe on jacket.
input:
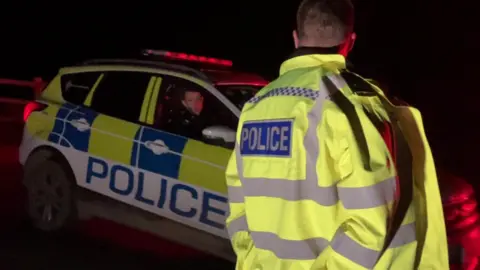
(310, 249)
(308, 189)
(295, 190)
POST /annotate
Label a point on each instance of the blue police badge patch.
(266, 138)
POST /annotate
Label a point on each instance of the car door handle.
(158, 147)
(80, 124)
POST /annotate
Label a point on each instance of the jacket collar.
(305, 57)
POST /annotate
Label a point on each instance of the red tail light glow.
(32, 107)
(189, 57)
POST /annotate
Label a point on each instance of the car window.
(76, 86)
(120, 94)
(238, 94)
(185, 108)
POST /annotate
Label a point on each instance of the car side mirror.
(219, 135)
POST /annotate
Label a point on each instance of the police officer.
(312, 184)
(186, 117)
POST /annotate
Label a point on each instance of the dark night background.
(425, 51)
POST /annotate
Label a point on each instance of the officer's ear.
(295, 39)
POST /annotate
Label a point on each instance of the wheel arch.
(46, 152)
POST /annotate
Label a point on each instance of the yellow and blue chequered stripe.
(65, 134)
(124, 142)
(117, 140)
(167, 164)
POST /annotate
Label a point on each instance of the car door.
(72, 122)
(117, 103)
(190, 166)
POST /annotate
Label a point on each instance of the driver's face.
(193, 101)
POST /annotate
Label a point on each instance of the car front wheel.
(50, 196)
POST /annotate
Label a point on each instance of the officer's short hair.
(324, 23)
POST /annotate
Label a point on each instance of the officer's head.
(193, 101)
(325, 24)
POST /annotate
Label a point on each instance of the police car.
(141, 142)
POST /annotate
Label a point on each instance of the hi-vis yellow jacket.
(301, 194)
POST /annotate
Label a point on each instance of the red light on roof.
(190, 57)
(247, 83)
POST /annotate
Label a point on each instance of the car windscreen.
(238, 94)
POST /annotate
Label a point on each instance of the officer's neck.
(314, 50)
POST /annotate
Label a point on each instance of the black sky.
(425, 50)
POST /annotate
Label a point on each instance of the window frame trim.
(88, 100)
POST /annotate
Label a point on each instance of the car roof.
(230, 77)
(148, 64)
(211, 75)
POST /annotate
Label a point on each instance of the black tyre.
(50, 201)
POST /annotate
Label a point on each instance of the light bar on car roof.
(189, 57)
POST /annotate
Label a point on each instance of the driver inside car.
(193, 102)
(187, 118)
